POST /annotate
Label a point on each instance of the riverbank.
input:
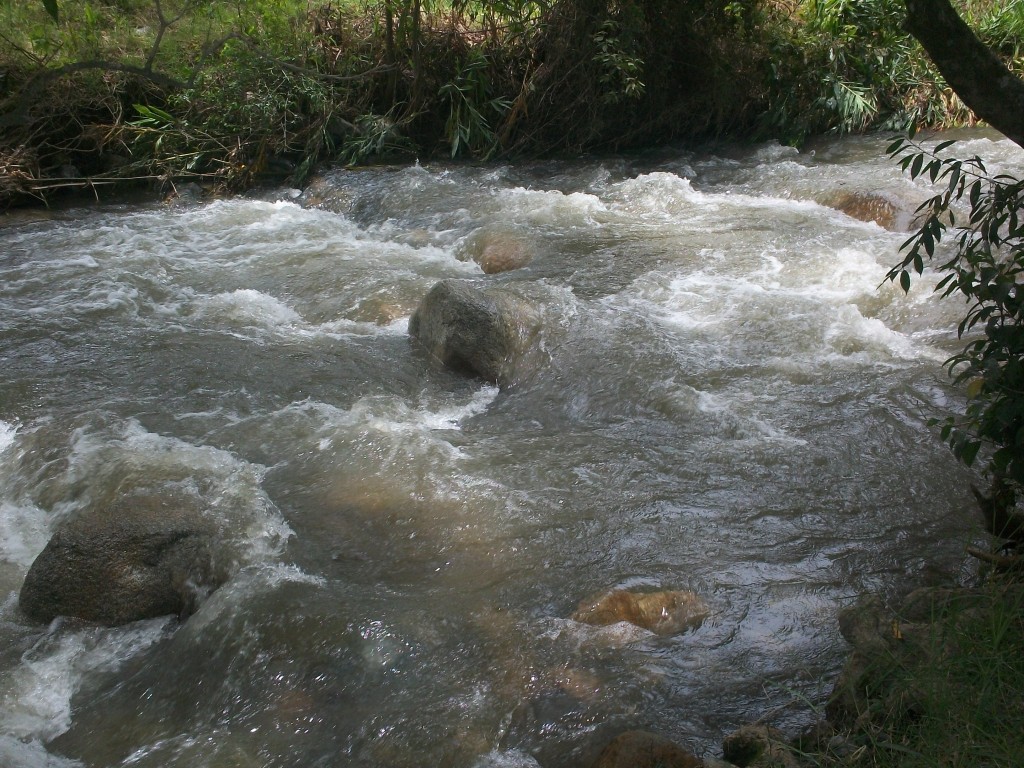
(150, 93)
(934, 681)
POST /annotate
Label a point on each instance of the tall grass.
(970, 699)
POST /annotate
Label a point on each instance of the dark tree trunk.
(977, 75)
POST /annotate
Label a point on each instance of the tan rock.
(640, 749)
(864, 206)
(499, 251)
(380, 311)
(664, 613)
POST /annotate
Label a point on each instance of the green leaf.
(905, 281)
(969, 451)
(51, 8)
(944, 144)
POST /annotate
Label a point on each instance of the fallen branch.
(999, 562)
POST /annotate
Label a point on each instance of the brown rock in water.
(380, 310)
(499, 251)
(138, 558)
(664, 613)
(640, 749)
(864, 206)
(758, 746)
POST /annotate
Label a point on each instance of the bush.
(986, 268)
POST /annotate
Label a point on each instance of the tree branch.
(977, 75)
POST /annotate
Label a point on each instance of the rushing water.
(729, 402)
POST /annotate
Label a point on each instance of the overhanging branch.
(977, 75)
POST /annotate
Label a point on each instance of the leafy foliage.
(51, 8)
(472, 106)
(273, 84)
(849, 66)
(986, 267)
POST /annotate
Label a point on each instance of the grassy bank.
(934, 683)
(227, 93)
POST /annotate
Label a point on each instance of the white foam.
(510, 759)
(852, 336)
(15, 753)
(37, 694)
(396, 416)
(543, 208)
(24, 531)
(227, 489)
(246, 307)
(392, 415)
(660, 193)
(24, 527)
(7, 434)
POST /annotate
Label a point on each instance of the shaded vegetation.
(226, 93)
(936, 683)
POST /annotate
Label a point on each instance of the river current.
(728, 400)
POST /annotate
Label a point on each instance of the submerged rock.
(484, 333)
(758, 746)
(498, 250)
(640, 749)
(138, 558)
(864, 206)
(664, 613)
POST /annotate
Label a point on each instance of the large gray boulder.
(483, 333)
(137, 558)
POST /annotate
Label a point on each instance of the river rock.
(664, 613)
(138, 558)
(640, 749)
(864, 206)
(484, 333)
(878, 681)
(758, 746)
(498, 250)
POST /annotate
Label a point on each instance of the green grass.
(972, 699)
(961, 702)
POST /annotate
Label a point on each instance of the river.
(728, 401)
